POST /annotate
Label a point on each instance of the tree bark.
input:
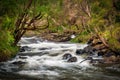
(22, 23)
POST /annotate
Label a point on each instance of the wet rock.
(117, 53)
(97, 60)
(88, 58)
(89, 50)
(109, 53)
(18, 63)
(67, 56)
(44, 48)
(79, 51)
(22, 50)
(100, 53)
(118, 58)
(110, 59)
(86, 50)
(98, 48)
(25, 48)
(22, 57)
(72, 59)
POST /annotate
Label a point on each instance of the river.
(43, 60)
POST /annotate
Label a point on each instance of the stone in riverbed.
(67, 56)
(18, 63)
(44, 48)
(22, 50)
(79, 51)
(89, 50)
(72, 59)
(25, 48)
(22, 57)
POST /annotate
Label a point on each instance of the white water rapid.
(43, 60)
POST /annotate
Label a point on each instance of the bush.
(6, 40)
(114, 40)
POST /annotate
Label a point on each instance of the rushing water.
(43, 61)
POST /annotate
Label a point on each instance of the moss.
(114, 40)
(116, 33)
(82, 37)
(114, 44)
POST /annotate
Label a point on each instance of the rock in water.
(18, 63)
(22, 57)
(22, 50)
(25, 48)
(67, 56)
(72, 59)
(79, 51)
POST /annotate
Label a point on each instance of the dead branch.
(101, 38)
(84, 6)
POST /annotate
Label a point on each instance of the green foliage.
(82, 37)
(60, 29)
(114, 44)
(7, 7)
(6, 39)
(116, 33)
(6, 48)
(8, 23)
(52, 29)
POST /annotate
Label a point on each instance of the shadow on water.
(14, 76)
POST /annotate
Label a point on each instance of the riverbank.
(99, 49)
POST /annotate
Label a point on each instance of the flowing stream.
(43, 60)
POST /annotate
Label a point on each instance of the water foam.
(41, 64)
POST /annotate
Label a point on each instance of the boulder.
(89, 50)
(67, 56)
(22, 50)
(72, 59)
(98, 46)
(88, 58)
(100, 53)
(79, 51)
(97, 60)
(109, 53)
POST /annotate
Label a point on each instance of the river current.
(42, 60)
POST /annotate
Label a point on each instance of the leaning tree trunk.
(23, 23)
